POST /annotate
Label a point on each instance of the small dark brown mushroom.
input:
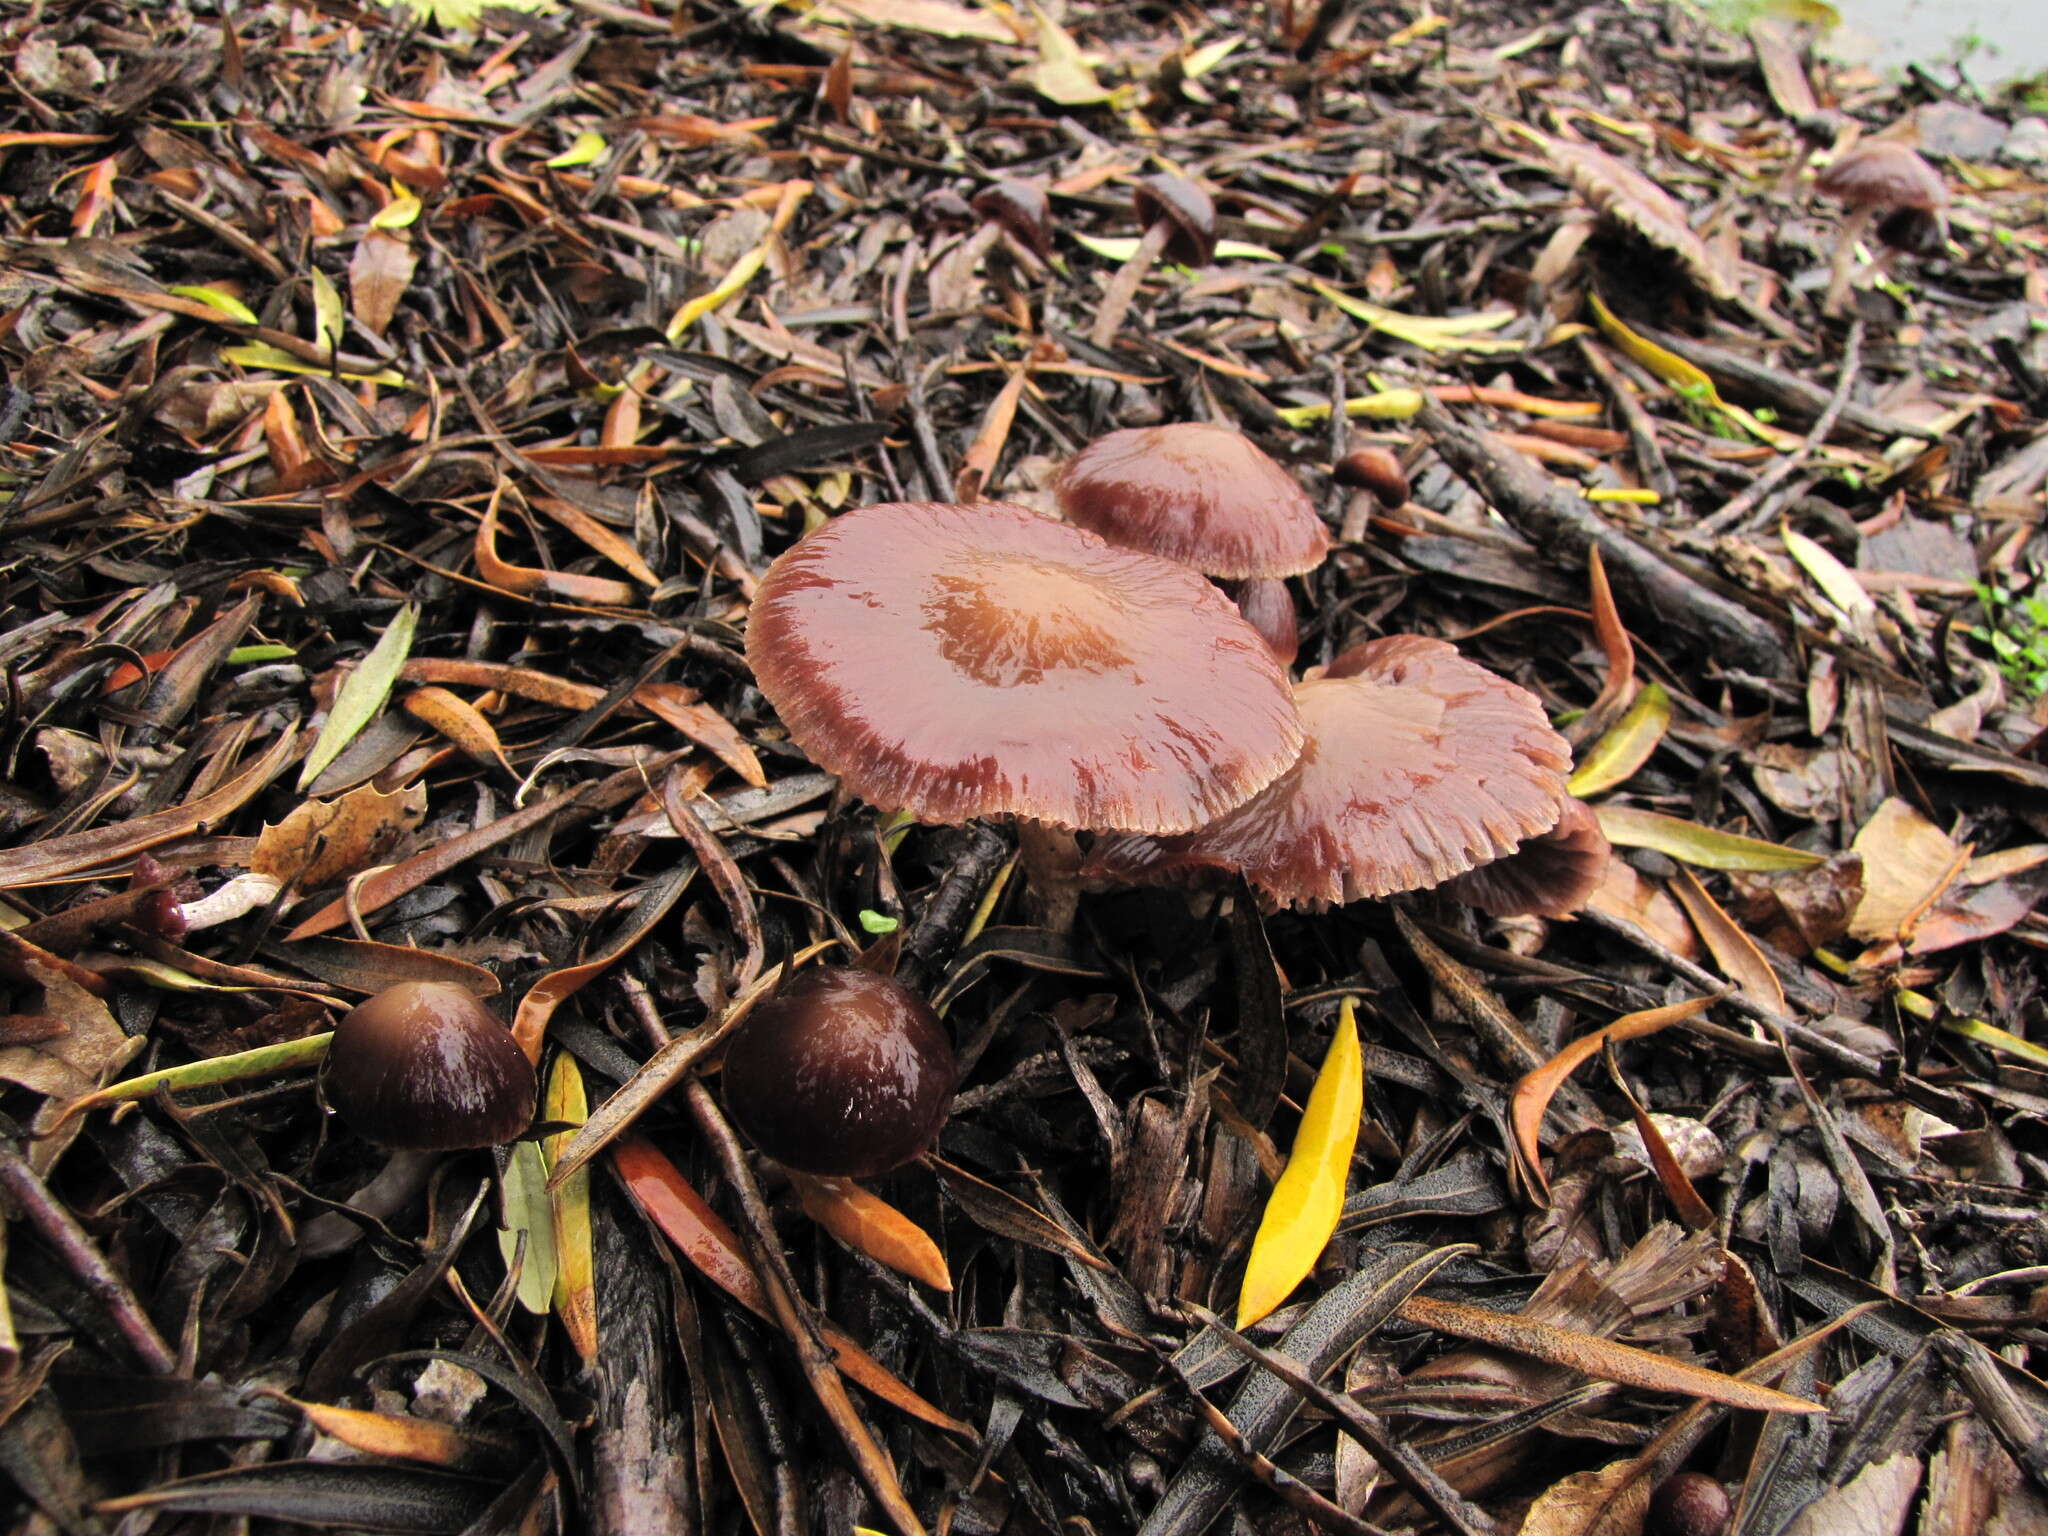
(1202, 494)
(1022, 209)
(1876, 177)
(425, 1066)
(1374, 477)
(1688, 1504)
(1551, 874)
(1180, 222)
(842, 1072)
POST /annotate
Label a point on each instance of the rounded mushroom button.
(1023, 209)
(1375, 470)
(1688, 1504)
(842, 1073)
(425, 1066)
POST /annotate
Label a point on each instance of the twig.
(1736, 514)
(81, 1255)
(1558, 521)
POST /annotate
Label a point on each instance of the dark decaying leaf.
(324, 1493)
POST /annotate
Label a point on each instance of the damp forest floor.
(397, 419)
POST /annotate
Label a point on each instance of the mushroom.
(1688, 1504)
(1875, 177)
(842, 1073)
(1373, 475)
(962, 661)
(420, 1067)
(1013, 211)
(1268, 607)
(1202, 494)
(1419, 766)
(1551, 874)
(1180, 221)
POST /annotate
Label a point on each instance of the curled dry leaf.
(328, 840)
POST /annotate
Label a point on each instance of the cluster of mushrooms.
(1074, 675)
(1085, 675)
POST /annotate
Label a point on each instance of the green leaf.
(215, 298)
(363, 695)
(878, 922)
(529, 1213)
(261, 354)
(243, 655)
(329, 316)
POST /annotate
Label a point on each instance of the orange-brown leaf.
(378, 275)
(1734, 951)
(455, 718)
(865, 1221)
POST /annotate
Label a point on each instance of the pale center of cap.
(1006, 622)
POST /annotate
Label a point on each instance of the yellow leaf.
(1302, 1211)
(261, 354)
(1124, 247)
(1617, 755)
(1685, 377)
(463, 15)
(587, 148)
(1835, 580)
(397, 213)
(1432, 333)
(1387, 405)
(575, 1257)
(1694, 844)
(215, 298)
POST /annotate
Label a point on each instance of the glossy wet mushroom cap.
(842, 1073)
(1202, 494)
(1688, 1504)
(1187, 207)
(425, 1066)
(1022, 208)
(1419, 766)
(1881, 173)
(1375, 470)
(1551, 874)
(963, 661)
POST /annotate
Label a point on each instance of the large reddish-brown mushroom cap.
(1551, 874)
(424, 1065)
(1882, 173)
(962, 661)
(1419, 765)
(1201, 494)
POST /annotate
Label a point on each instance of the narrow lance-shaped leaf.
(575, 1261)
(528, 1214)
(363, 694)
(1615, 757)
(1532, 1095)
(1301, 1213)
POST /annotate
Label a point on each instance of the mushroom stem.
(1358, 510)
(1052, 873)
(239, 897)
(1844, 267)
(393, 1188)
(1123, 288)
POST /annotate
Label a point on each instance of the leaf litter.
(401, 406)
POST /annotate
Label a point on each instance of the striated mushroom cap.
(1187, 207)
(1553, 873)
(1201, 494)
(1419, 766)
(962, 661)
(423, 1065)
(1881, 173)
(842, 1072)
